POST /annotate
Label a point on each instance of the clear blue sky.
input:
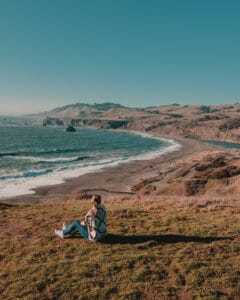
(137, 53)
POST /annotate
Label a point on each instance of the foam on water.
(21, 185)
(49, 160)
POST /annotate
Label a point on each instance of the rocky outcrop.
(52, 121)
(212, 164)
(193, 187)
(114, 124)
(70, 129)
(98, 123)
(225, 172)
(231, 124)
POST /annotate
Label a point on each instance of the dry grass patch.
(152, 251)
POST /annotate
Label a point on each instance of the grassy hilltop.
(156, 250)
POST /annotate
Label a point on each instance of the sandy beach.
(113, 181)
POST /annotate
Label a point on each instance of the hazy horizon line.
(28, 114)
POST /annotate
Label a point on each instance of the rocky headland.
(217, 122)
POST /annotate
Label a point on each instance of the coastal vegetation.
(155, 250)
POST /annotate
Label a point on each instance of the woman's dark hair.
(97, 198)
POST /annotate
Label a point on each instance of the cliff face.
(220, 122)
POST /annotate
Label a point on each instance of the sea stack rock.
(44, 122)
(70, 128)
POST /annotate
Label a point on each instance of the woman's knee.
(77, 223)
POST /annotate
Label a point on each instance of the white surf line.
(26, 185)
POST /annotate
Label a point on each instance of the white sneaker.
(59, 233)
(64, 226)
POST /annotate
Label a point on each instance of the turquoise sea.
(32, 155)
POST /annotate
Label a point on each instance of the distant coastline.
(215, 122)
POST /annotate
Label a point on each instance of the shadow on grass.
(159, 239)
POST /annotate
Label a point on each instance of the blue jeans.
(77, 227)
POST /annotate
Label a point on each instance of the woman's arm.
(91, 214)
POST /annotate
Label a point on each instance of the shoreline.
(56, 178)
(113, 181)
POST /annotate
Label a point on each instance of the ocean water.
(32, 155)
(223, 144)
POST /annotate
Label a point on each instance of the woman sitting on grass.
(93, 228)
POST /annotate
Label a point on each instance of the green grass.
(153, 251)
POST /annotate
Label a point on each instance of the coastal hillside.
(211, 176)
(218, 122)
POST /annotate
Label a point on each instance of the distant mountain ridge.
(98, 106)
(89, 110)
(80, 109)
